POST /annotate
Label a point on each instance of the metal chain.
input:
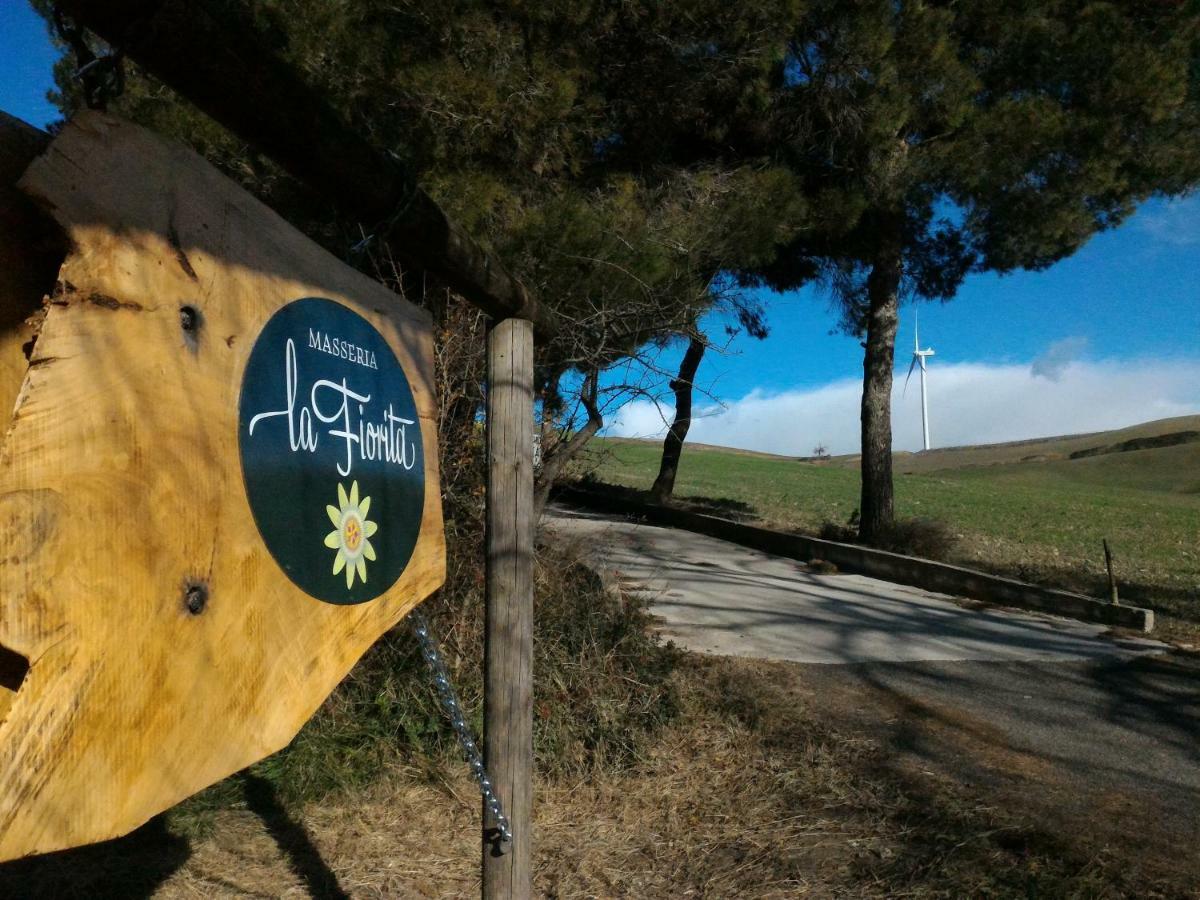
(450, 704)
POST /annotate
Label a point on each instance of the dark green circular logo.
(331, 451)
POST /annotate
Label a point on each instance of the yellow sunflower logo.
(351, 530)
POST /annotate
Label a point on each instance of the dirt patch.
(1171, 439)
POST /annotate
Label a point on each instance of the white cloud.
(1175, 222)
(1058, 356)
(969, 403)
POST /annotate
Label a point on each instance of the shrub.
(927, 538)
(832, 531)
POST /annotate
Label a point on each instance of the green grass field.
(1042, 519)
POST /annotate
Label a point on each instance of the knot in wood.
(195, 598)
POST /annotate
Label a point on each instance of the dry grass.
(758, 789)
(709, 811)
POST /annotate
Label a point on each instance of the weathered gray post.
(1112, 581)
(508, 641)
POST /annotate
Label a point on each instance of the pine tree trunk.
(555, 459)
(876, 510)
(664, 484)
(551, 403)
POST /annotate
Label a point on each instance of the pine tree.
(969, 137)
(619, 156)
(506, 113)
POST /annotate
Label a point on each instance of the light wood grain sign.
(219, 486)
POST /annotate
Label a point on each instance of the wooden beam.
(508, 647)
(212, 54)
(32, 247)
(20, 144)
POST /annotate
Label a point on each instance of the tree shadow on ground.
(1054, 798)
(724, 507)
(968, 798)
(137, 865)
(293, 839)
(941, 801)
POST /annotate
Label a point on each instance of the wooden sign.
(218, 488)
(325, 404)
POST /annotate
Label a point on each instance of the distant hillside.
(1157, 433)
(694, 445)
(1178, 430)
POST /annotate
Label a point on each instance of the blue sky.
(26, 58)
(1108, 337)
(1132, 292)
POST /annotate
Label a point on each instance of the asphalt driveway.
(1095, 736)
(716, 597)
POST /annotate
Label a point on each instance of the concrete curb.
(894, 567)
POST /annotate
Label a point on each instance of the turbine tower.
(919, 359)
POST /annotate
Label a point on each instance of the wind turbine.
(919, 359)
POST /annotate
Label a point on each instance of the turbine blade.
(909, 375)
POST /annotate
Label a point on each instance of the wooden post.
(508, 642)
(1112, 582)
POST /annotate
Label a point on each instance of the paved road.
(717, 597)
(1102, 754)
(1093, 736)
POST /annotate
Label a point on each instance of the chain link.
(450, 705)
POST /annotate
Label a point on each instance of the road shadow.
(724, 507)
(293, 839)
(1086, 755)
(729, 598)
(982, 782)
(129, 868)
